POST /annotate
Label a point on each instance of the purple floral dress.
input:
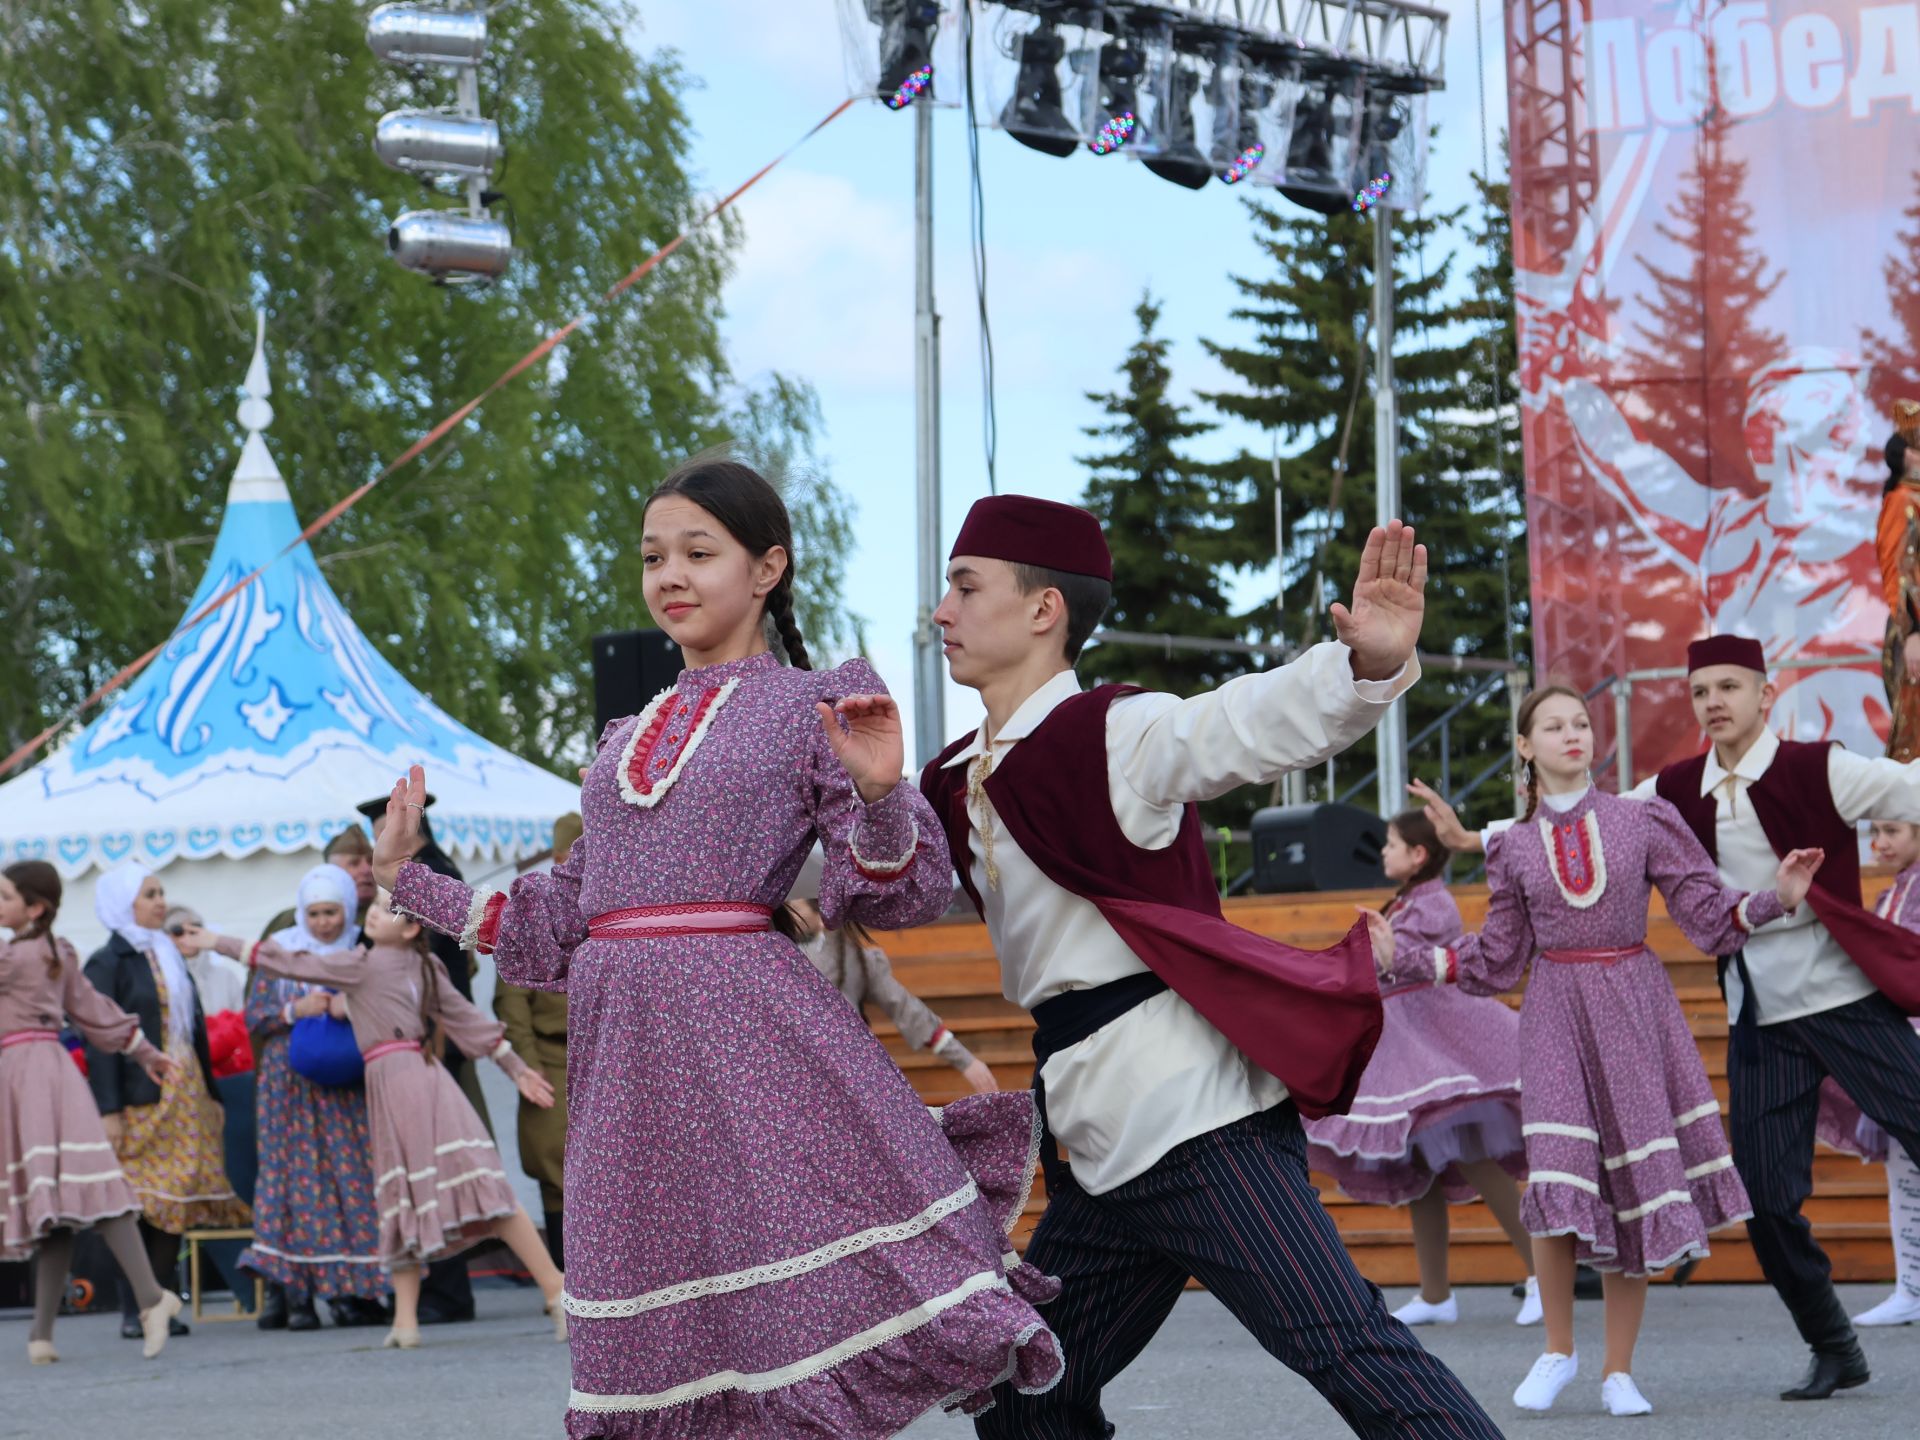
(1444, 1082)
(1841, 1124)
(1625, 1149)
(315, 1230)
(768, 1234)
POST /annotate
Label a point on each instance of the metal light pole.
(1391, 736)
(929, 693)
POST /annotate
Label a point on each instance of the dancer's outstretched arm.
(1254, 729)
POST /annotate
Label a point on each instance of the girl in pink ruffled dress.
(1437, 1119)
(1628, 1164)
(768, 1234)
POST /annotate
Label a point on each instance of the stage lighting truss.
(457, 146)
(1315, 97)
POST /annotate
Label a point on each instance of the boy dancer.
(1822, 992)
(1176, 1051)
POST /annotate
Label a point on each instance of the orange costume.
(1897, 542)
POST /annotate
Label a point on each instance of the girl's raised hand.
(400, 839)
(1380, 931)
(865, 732)
(534, 1088)
(1446, 820)
(1796, 876)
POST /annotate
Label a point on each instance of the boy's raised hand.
(1389, 601)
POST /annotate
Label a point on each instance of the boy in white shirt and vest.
(1176, 1051)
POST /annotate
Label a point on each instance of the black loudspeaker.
(1317, 847)
(630, 667)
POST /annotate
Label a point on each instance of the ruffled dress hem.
(1643, 1244)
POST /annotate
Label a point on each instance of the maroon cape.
(1310, 1017)
(1794, 804)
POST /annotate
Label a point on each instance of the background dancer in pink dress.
(768, 1234)
(1437, 1119)
(1629, 1169)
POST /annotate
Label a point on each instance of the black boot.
(556, 1243)
(300, 1314)
(1586, 1284)
(1838, 1361)
(353, 1310)
(273, 1309)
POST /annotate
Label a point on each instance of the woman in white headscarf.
(167, 1136)
(316, 1231)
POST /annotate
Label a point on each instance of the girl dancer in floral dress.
(768, 1234)
(1841, 1124)
(1437, 1119)
(436, 1176)
(1628, 1164)
(315, 1231)
(57, 1170)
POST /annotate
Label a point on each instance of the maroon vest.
(1310, 1017)
(1793, 802)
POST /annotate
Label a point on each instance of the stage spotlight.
(453, 248)
(434, 142)
(404, 35)
(1035, 115)
(1115, 93)
(1177, 155)
(906, 48)
(1322, 154)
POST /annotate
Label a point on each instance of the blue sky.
(823, 288)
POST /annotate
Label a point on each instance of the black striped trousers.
(1234, 1208)
(1774, 1092)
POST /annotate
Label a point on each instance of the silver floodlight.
(1043, 57)
(437, 142)
(451, 247)
(408, 35)
(1393, 141)
(1323, 160)
(1180, 149)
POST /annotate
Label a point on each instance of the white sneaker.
(1530, 1312)
(1418, 1312)
(1899, 1308)
(1550, 1375)
(1622, 1397)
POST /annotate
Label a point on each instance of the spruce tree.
(164, 171)
(1162, 515)
(1307, 376)
(1700, 342)
(1893, 346)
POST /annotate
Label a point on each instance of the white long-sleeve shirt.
(1160, 1074)
(1798, 968)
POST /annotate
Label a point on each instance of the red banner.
(1716, 210)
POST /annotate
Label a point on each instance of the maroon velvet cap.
(1738, 650)
(1025, 531)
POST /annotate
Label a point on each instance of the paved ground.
(1711, 1360)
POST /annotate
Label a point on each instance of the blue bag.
(323, 1050)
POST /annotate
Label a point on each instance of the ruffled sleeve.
(1492, 961)
(886, 863)
(1426, 921)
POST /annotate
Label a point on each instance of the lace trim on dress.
(785, 1269)
(760, 1383)
(884, 869)
(483, 921)
(1574, 856)
(647, 770)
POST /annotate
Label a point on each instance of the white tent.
(247, 744)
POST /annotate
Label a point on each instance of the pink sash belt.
(698, 917)
(1593, 957)
(388, 1047)
(27, 1037)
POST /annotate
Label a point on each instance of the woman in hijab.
(167, 1136)
(316, 1233)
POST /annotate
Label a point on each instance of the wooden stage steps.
(951, 966)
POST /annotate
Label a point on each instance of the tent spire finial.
(256, 477)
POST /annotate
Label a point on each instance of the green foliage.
(1307, 376)
(168, 166)
(1163, 517)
